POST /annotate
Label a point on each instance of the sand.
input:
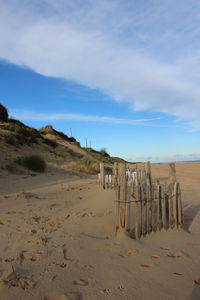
(57, 242)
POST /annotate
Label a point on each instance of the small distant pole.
(71, 131)
(86, 142)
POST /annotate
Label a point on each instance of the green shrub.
(32, 162)
(104, 152)
(3, 114)
(11, 140)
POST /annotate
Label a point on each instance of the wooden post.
(106, 181)
(102, 173)
(110, 181)
(144, 210)
(122, 193)
(133, 211)
(127, 213)
(180, 208)
(115, 173)
(99, 178)
(170, 194)
(172, 198)
(167, 211)
(160, 200)
(117, 204)
(175, 207)
(148, 167)
(139, 197)
(149, 209)
(172, 176)
(155, 208)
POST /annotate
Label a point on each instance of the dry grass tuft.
(88, 165)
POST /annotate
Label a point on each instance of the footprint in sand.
(174, 255)
(155, 256)
(37, 219)
(65, 253)
(70, 214)
(1, 222)
(165, 248)
(27, 195)
(146, 265)
(60, 264)
(40, 241)
(30, 255)
(19, 280)
(107, 291)
(52, 205)
(84, 282)
(126, 253)
(10, 259)
(89, 267)
(86, 214)
(69, 254)
(120, 287)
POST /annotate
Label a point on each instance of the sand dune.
(57, 242)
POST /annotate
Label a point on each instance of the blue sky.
(123, 74)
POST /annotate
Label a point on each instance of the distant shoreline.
(178, 162)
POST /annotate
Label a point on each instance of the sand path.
(57, 238)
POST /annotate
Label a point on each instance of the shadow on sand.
(190, 212)
(195, 294)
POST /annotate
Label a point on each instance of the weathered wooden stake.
(172, 174)
(102, 173)
(115, 173)
(160, 202)
(144, 201)
(139, 211)
(180, 208)
(166, 210)
(155, 208)
(127, 216)
(117, 225)
(149, 209)
(122, 193)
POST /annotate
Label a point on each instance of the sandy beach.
(57, 238)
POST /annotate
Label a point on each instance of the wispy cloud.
(128, 49)
(25, 115)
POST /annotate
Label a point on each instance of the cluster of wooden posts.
(143, 204)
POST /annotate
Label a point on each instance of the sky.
(122, 74)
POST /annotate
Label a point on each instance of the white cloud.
(143, 54)
(24, 115)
